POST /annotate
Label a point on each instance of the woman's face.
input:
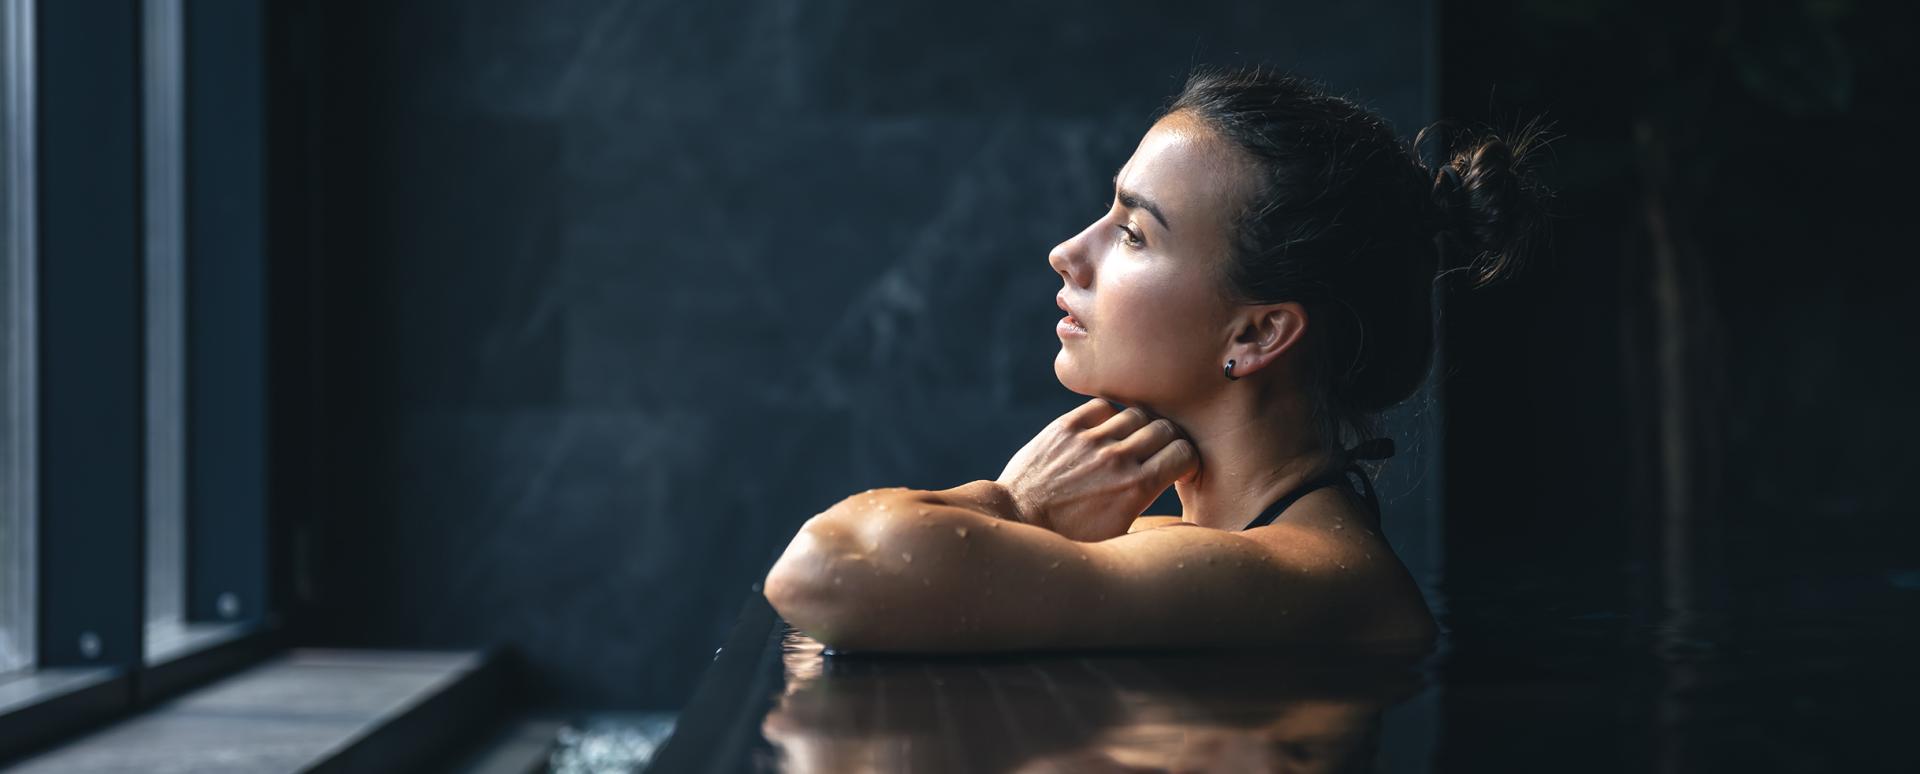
(1142, 280)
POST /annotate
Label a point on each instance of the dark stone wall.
(582, 307)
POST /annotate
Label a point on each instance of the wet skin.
(1054, 553)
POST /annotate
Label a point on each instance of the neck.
(1252, 451)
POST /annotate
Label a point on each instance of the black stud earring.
(1229, 372)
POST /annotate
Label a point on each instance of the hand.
(1088, 474)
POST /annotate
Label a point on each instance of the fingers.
(1122, 425)
(1148, 438)
(1162, 449)
(1089, 414)
(1176, 461)
(1165, 453)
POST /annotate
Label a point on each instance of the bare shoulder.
(1325, 526)
(1323, 571)
(1330, 534)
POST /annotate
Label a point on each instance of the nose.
(1070, 260)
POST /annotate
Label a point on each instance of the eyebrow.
(1135, 201)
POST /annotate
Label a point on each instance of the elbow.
(814, 613)
(818, 584)
(782, 590)
(843, 579)
(800, 602)
(815, 606)
(794, 585)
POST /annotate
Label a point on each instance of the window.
(17, 340)
(133, 524)
(165, 216)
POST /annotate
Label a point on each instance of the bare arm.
(907, 570)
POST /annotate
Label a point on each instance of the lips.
(1070, 326)
(1072, 319)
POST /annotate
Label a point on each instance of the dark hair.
(1351, 222)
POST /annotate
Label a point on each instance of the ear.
(1267, 332)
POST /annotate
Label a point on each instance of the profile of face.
(1154, 326)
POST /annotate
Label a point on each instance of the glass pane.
(166, 327)
(17, 338)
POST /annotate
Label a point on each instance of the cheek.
(1159, 317)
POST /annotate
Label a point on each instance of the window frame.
(85, 68)
(164, 227)
(18, 415)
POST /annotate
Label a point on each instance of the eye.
(1131, 239)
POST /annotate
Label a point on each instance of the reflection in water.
(1238, 711)
(609, 743)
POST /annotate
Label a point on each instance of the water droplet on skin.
(961, 531)
(1056, 563)
(906, 557)
(1181, 565)
(921, 512)
(836, 580)
(1343, 567)
(1339, 526)
(994, 524)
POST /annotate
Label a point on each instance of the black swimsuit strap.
(1287, 500)
(1336, 478)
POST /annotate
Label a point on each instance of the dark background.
(580, 308)
(1685, 431)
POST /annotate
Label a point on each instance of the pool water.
(1539, 669)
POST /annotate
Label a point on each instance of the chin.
(1074, 376)
(1069, 376)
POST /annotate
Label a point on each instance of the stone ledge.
(305, 710)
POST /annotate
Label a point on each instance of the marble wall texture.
(595, 301)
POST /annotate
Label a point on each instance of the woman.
(1257, 291)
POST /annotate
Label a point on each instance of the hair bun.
(1485, 201)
